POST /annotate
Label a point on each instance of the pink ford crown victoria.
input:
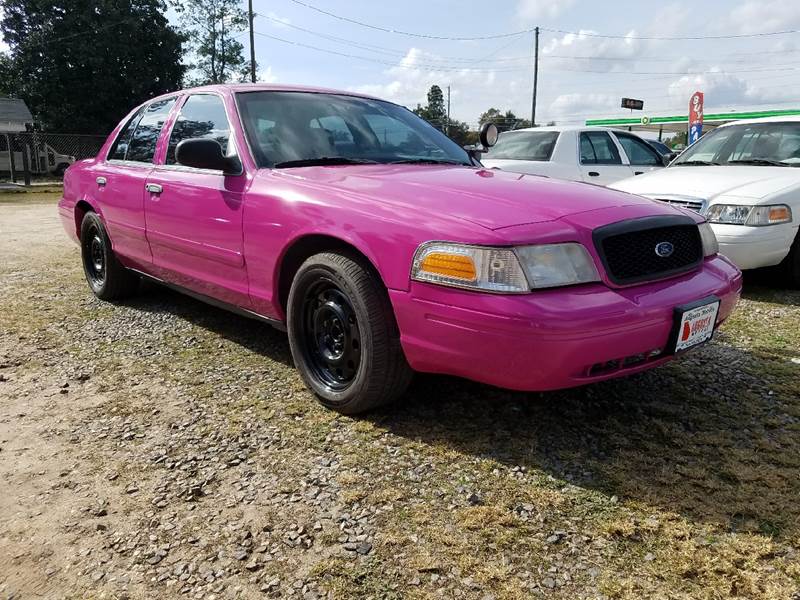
(384, 248)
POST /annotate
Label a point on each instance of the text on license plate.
(696, 326)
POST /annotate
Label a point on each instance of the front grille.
(628, 249)
(695, 205)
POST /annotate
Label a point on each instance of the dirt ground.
(161, 448)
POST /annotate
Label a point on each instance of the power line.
(510, 59)
(669, 38)
(411, 34)
(433, 67)
(394, 51)
(531, 30)
(419, 66)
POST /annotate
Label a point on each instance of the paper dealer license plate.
(695, 323)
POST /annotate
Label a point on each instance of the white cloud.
(583, 44)
(758, 16)
(473, 90)
(567, 106)
(277, 21)
(726, 90)
(267, 76)
(535, 10)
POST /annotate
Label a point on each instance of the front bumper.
(551, 339)
(755, 247)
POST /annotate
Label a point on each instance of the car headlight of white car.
(709, 239)
(751, 216)
(503, 270)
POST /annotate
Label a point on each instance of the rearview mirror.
(203, 153)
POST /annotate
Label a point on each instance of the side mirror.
(203, 153)
(488, 138)
(488, 135)
(668, 158)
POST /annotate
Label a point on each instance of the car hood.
(489, 198)
(707, 182)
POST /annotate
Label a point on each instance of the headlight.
(472, 267)
(553, 265)
(503, 270)
(753, 216)
(710, 244)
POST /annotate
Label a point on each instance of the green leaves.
(80, 65)
(211, 27)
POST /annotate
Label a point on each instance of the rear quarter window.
(142, 147)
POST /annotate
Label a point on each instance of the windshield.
(291, 129)
(524, 145)
(754, 143)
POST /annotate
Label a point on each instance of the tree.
(434, 112)
(211, 26)
(80, 65)
(504, 122)
(678, 138)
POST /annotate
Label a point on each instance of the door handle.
(153, 188)
(594, 174)
(101, 181)
(638, 172)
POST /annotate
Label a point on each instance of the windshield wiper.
(323, 161)
(759, 161)
(427, 161)
(696, 163)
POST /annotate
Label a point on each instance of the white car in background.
(594, 155)
(745, 178)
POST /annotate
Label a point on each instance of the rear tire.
(343, 334)
(107, 278)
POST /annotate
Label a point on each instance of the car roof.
(786, 119)
(562, 128)
(265, 87)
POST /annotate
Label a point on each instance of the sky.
(591, 53)
(581, 74)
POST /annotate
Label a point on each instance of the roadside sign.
(632, 103)
(695, 118)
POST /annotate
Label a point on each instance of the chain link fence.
(44, 156)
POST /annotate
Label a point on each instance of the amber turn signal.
(458, 266)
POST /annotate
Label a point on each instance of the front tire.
(343, 335)
(107, 278)
(789, 268)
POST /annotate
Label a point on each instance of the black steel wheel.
(331, 338)
(343, 334)
(107, 278)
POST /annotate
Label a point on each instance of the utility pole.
(447, 126)
(252, 46)
(535, 74)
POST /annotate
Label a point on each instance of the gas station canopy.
(680, 123)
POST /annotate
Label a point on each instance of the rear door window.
(142, 147)
(120, 146)
(597, 148)
(638, 151)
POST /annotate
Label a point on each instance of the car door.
(119, 182)
(600, 158)
(194, 216)
(641, 156)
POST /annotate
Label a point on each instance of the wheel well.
(304, 248)
(81, 208)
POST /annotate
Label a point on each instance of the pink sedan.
(384, 248)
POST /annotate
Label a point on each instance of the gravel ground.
(163, 448)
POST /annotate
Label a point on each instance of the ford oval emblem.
(664, 249)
